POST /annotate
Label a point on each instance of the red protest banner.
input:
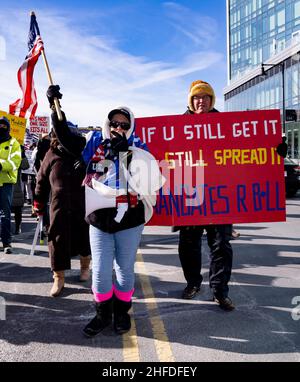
(220, 167)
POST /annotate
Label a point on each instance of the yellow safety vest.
(10, 160)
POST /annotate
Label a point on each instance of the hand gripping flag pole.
(56, 103)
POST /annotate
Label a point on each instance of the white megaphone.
(102, 196)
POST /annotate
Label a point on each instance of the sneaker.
(224, 303)
(7, 249)
(235, 234)
(190, 292)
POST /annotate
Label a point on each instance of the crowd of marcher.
(82, 185)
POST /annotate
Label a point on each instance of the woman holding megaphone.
(119, 201)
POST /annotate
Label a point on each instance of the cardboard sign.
(39, 125)
(220, 167)
(17, 126)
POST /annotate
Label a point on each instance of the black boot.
(17, 227)
(122, 322)
(102, 319)
(17, 230)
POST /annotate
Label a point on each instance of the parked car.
(292, 177)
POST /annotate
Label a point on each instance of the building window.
(295, 84)
(272, 22)
(281, 18)
(271, 4)
(297, 9)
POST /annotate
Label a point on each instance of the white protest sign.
(39, 125)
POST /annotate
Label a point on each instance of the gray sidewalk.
(264, 286)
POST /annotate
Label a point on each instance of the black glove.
(119, 143)
(79, 165)
(53, 92)
(282, 148)
(108, 152)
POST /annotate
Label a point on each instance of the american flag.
(28, 104)
(29, 139)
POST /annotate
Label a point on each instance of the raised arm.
(69, 138)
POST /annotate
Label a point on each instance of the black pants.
(218, 239)
(18, 216)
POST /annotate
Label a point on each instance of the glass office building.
(265, 32)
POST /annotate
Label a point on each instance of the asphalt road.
(264, 286)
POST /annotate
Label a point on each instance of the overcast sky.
(103, 54)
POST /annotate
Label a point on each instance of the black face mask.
(4, 133)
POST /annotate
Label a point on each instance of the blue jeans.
(118, 249)
(6, 192)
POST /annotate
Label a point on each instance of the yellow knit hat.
(198, 87)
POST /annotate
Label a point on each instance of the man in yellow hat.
(201, 99)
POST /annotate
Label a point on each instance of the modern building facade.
(263, 56)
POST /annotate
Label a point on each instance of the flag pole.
(56, 103)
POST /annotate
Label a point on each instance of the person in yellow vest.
(10, 160)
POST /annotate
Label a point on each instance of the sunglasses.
(123, 125)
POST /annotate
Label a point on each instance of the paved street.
(265, 280)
